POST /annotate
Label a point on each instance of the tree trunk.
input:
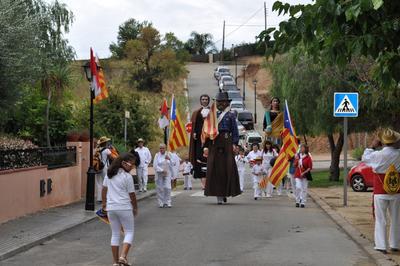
(47, 118)
(336, 150)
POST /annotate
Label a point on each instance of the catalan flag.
(210, 126)
(178, 135)
(102, 83)
(288, 150)
(163, 121)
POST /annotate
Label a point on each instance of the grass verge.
(321, 179)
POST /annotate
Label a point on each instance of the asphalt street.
(197, 231)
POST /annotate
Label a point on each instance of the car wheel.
(358, 183)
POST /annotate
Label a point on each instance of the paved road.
(196, 231)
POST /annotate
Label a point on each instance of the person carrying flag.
(222, 173)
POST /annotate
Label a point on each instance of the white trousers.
(256, 186)
(301, 190)
(142, 174)
(241, 178)
(187, 181)
(99, 186)
(382, 204)
(163, 187)
(125, 219)
(270, 189)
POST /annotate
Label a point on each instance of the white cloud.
(97, 21)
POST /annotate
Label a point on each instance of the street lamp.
(91, 173)
(244, 83)
(255, 100)
(236, 56)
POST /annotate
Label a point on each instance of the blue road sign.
(345, 104)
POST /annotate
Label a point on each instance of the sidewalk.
(23, 233)
(355, 219)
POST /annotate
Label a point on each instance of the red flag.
(210, 126)
(95, 75)
(163, 121)
(102, 83)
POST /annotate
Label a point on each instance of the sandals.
(123, 261)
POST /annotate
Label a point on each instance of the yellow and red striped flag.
(101, 92)
(210, 126)
(288, 150)
(178, 135)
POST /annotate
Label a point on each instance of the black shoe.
(394, 249)
(184, 188)
(255, 198)
(165, 205)
(382, 250)
(225, 199)
(190, 188)
(302, 205)
(297, 205)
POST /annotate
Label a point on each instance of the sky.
(96, 21)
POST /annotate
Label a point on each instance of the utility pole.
(223, 43)
(265, 22)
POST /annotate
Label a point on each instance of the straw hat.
(102, 140)
(258, 159)
(389, 136)
(140, 140)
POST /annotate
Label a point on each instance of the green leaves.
(377, 4)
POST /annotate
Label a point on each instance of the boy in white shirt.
(257, 172)
(241, 162)
(187, 168)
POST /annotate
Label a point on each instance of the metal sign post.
(127, 115)
(345, 105)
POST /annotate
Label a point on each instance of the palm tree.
(56, 82)
(201, 42)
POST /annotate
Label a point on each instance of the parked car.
(252, 137)
(226, 80)
(219, 70)
(237, 106)
(361, 177)
(229, 87)
(246, 119)
(235, 95)
(241, 129)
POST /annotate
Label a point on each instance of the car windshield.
(227, 79)
(236, 105)
(254, 139)
(230, 88)
(223, 70)
(234, 94)
(245, 116)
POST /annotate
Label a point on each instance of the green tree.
(338, 31)
(313, 115)
(129, 30)
(199, 43)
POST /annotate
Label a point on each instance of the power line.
(241, 25)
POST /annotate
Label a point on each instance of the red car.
(361, 177)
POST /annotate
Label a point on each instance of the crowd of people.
(220, 165)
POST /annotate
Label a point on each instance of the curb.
(46, 237)
(354, 234)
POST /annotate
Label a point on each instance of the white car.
(237, 106)
(219, 70)
(225, 80)
(252, 137)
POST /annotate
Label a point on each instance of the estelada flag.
(102, 84)
(288, 150)
(178, 135)
(210, 126)
(163, 121)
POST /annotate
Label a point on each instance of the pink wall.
(20, 189)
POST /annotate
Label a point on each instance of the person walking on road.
(163, 169)
(187, 169)
(119, 200)
(257, 172)
(142, 169)
(105, 154)
(202, 165)
(241, 162)
(222, 174)
(386, 165)
(197, 121)
(176, 164)
(302, 175)
(254, 153)
(268, 153)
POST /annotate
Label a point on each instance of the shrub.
(357, 153)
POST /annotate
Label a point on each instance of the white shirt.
(205, 111)
(253, 155)
(160, 163)
(257, 170)
(118, 189)
(175, 163)
(240, 161)
(187, 167)
(144, 155)
(104, 157)
(267, 157)
(381, 160)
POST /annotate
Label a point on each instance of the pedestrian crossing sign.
(345, 104)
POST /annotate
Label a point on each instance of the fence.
(54, 158)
